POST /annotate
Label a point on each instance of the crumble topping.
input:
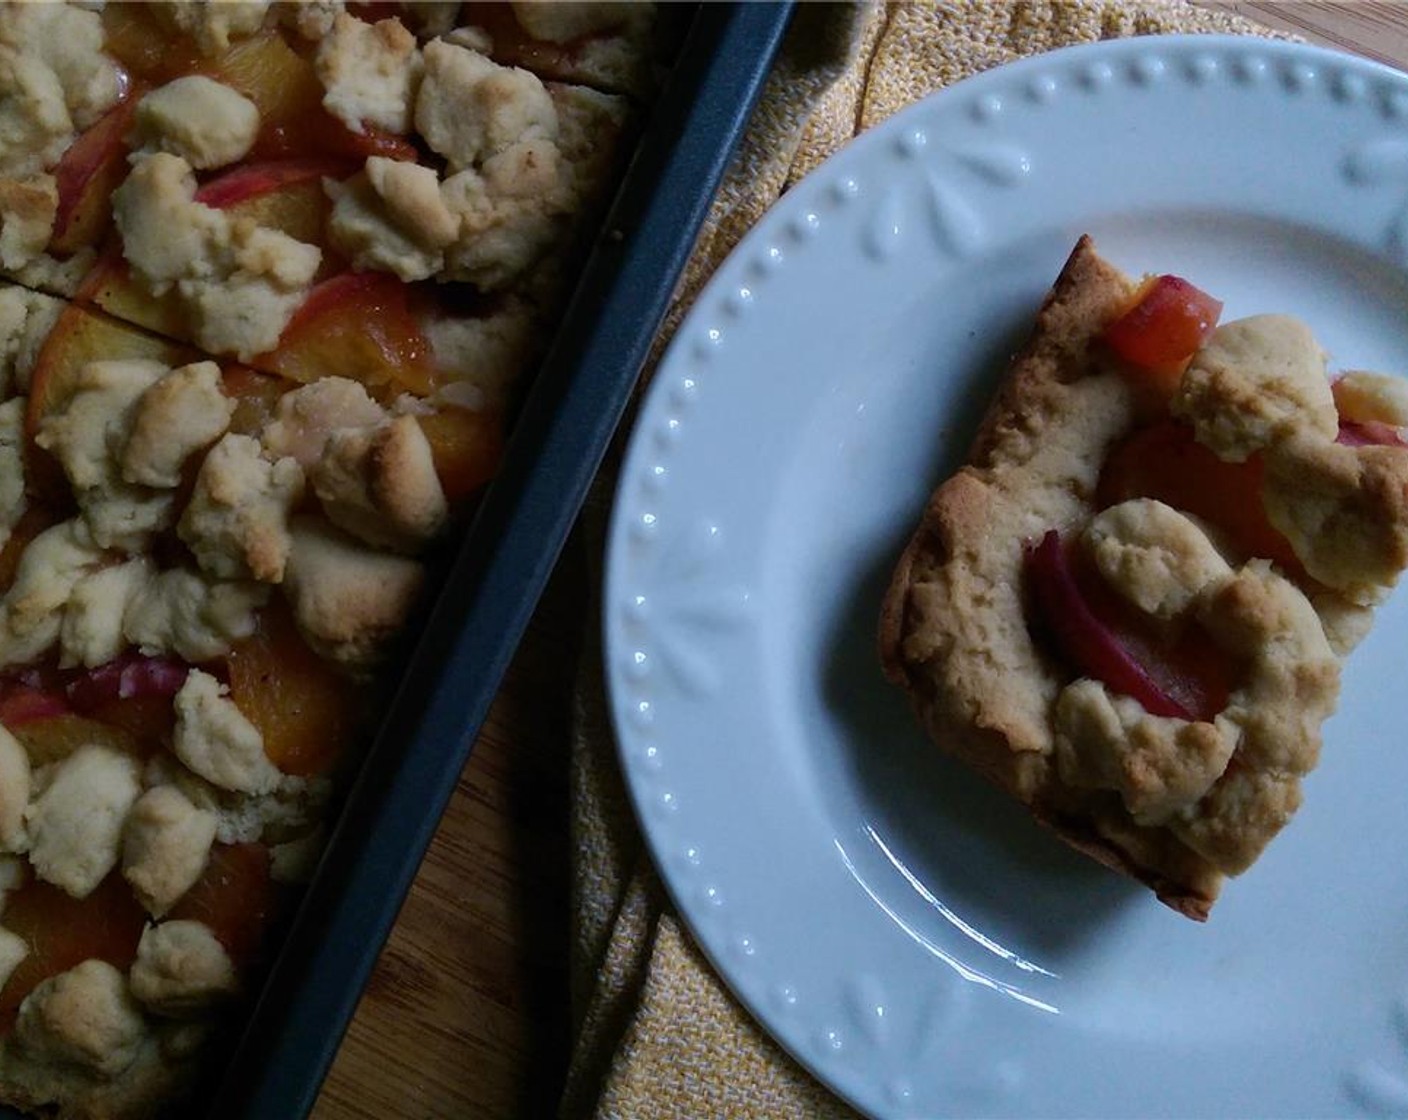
(31, 611)
(561, 23)
(181, 969)
(347, 599)
(165, 845)
(13, 950)
(1256, 382)
(380, 485)
(305, 417)
(75, 822)
(196, 118)
(68, 39)
(35, 126)
(92, 633)
(86, 432)
(215, 739)
(239, 282)
(236, 523)
(181, 413)
(180, 611)
(390, 216)
(470, 108)
(85, 1016)
(12, 499)
(213, 24)
(26, 318)
(370, 72)
(27, 210)
(1363, 396)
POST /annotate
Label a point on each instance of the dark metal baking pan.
(493, 583)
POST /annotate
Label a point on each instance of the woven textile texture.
(658, 1037)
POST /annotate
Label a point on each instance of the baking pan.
(492, 584)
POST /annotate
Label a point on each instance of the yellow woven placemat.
(657, 1034)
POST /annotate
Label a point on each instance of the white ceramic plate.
(900, 928)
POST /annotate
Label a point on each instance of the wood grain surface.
(466, 1014)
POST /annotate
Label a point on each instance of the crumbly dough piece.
(371, 73)
(380, 485)
(13, 950)
(35, 126)
(307, 416)
(181, 413)
(197, 118)
(239, 282)
(31, 612)
(92, 633)
(165, 845)
(197, 619)
(391, 217)
(1363, 396)
(347, 600)
(75, 822)
(182, 969)
(27, 211)
(1256, 382)
(562, 23)
(469, 108)
(236, 522)
(26, 318)
(485, 356)
(86, 432)
(511, 212)
(68, 40)
(1178, 804)
(215, 739)
(85, 1016)
(213, 24)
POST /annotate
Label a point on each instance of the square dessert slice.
(1130, 605)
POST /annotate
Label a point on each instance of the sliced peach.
(58, 736)
(234, 897)
(62, 932)
(1165, 461)
(307, 712)
(111, 286)
(22, 704)
(358, 325)
(467, 448)
(90, 170)
(255, 394)
(1169, 321)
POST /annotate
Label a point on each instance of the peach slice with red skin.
(90, 170)
(1166, 325)
(1165, 461)
(359, 325)
(1105, 639)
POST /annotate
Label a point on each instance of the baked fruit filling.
(277, 273)
(1131, 606)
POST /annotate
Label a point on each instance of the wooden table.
(466, 1013)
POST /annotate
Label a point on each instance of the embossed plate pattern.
(900, 928)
